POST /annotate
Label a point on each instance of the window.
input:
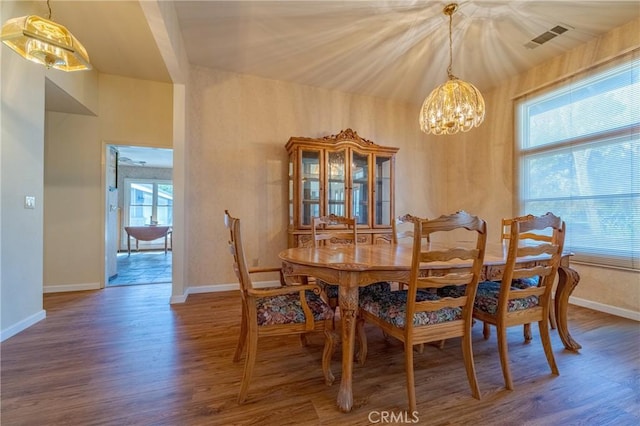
(149, 201)
(579, 157)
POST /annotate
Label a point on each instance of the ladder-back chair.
(415, 316)
(504, 305)
(286, 310)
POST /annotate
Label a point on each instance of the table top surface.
(148, 232)
(366, 257)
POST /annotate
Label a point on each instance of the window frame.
(523, 152)
(126, 216)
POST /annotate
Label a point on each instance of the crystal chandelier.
(455, 106)
(45, 42)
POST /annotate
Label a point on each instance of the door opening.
(142, 198)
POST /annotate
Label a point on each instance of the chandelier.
(455, 106)
(45, 42)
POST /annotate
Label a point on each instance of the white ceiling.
(144, 157)
(392, 49)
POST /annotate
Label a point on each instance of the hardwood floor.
(123, 355)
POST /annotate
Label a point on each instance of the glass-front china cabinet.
(342, 174)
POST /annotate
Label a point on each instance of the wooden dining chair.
(523, 282)
(504, 305)
(402, 230)
(333, 230)
(506, 230)
(414, 316)
(292, 309)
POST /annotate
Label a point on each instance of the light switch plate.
(29, 202)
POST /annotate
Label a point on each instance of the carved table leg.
(567, 280)
(348, 300)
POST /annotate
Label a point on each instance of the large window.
(579, 157)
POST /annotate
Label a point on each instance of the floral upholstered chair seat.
(487, 295)
(287, 309)
(524, 282)
(392, 306)
(487, 299)
(332, 290)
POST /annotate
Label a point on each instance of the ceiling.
(137, 156)
(391, 49)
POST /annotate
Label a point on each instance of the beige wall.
(237, 160)
(131, 112)
(72, 201)
(21, 160)
(239, 125)
(481, 175)
(135, 112)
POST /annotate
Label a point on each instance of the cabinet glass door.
(291, 191)
(336, 182)
(360, 187)
(383, 191)
(310, 186)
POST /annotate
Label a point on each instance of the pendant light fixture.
(455, 106)
(45, 42)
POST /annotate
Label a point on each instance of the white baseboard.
(215, 288)
(233, 286)
(70, 287)
(33, 319)
(596, 306)
(601, 307)
(22, 325)
(177, 299)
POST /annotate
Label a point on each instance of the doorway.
(138, 193)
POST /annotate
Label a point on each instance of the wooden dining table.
(352, 267)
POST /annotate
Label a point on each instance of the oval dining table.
(351, 267)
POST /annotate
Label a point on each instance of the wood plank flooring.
(124, 356)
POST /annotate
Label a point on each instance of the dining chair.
(290, 309)
(503, 304)
(402, 230)
(414, 316)
(523, 282)
(506, 230)
(334, 230)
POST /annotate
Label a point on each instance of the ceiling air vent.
(546, 36)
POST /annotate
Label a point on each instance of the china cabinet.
(343, 174)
